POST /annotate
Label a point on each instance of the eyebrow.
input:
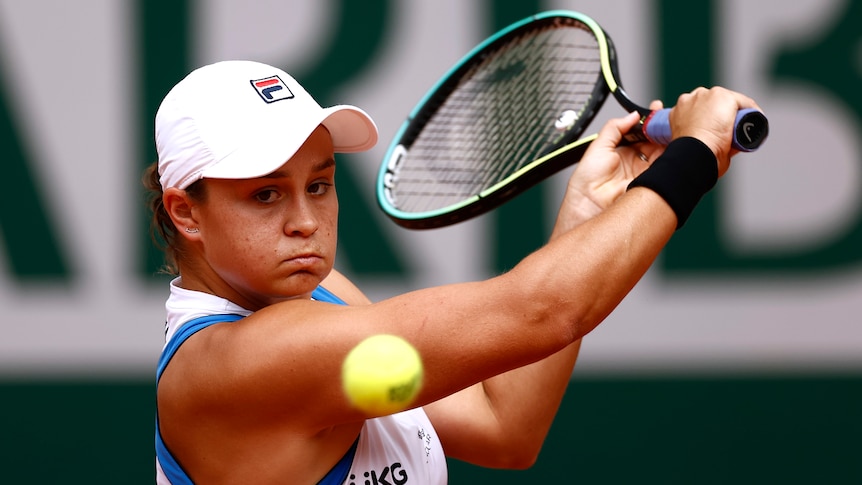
(325, 164)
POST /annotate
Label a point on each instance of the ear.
(178, 205)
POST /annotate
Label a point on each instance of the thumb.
(612, 132)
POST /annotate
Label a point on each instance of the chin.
(299, 284)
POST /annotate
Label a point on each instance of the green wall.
(724, 429)
(789, 430)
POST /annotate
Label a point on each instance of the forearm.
(520, 404)
(525, 401)
(583, 274)
(609, 231)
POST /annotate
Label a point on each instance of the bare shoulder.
(345, 289)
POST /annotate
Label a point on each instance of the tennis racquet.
(511, 113)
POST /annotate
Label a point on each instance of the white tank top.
(400, 449)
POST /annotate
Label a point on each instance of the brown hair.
(163, 231)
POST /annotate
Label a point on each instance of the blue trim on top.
(322, 294)
(172, 469)
(339, 472)
(187, 330)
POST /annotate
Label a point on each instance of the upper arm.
(285, 360)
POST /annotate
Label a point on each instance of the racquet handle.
(749, 131)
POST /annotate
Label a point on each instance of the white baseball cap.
(244, 119)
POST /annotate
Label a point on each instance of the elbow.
(519, 461)
(524, 460)
(517, 457)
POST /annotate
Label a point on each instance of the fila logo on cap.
(272, 89)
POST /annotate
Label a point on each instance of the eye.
(319, 188)
(266, 196)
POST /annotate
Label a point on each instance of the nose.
(301, 219)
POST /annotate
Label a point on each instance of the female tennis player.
(259, 322)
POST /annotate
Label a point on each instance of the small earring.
(192, 230)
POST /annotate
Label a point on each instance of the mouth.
(305, 259)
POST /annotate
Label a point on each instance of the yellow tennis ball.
(382, 374)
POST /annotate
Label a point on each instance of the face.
(272, 238)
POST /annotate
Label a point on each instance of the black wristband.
(681, 176)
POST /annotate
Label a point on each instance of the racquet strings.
(501, 116)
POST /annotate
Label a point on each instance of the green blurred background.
(750, 430)
(738, 360)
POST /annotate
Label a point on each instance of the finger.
(744, 101)
(650, 151)
(612, 132)
(643, 151)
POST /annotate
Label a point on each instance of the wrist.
(685, 172)
(573, 212)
